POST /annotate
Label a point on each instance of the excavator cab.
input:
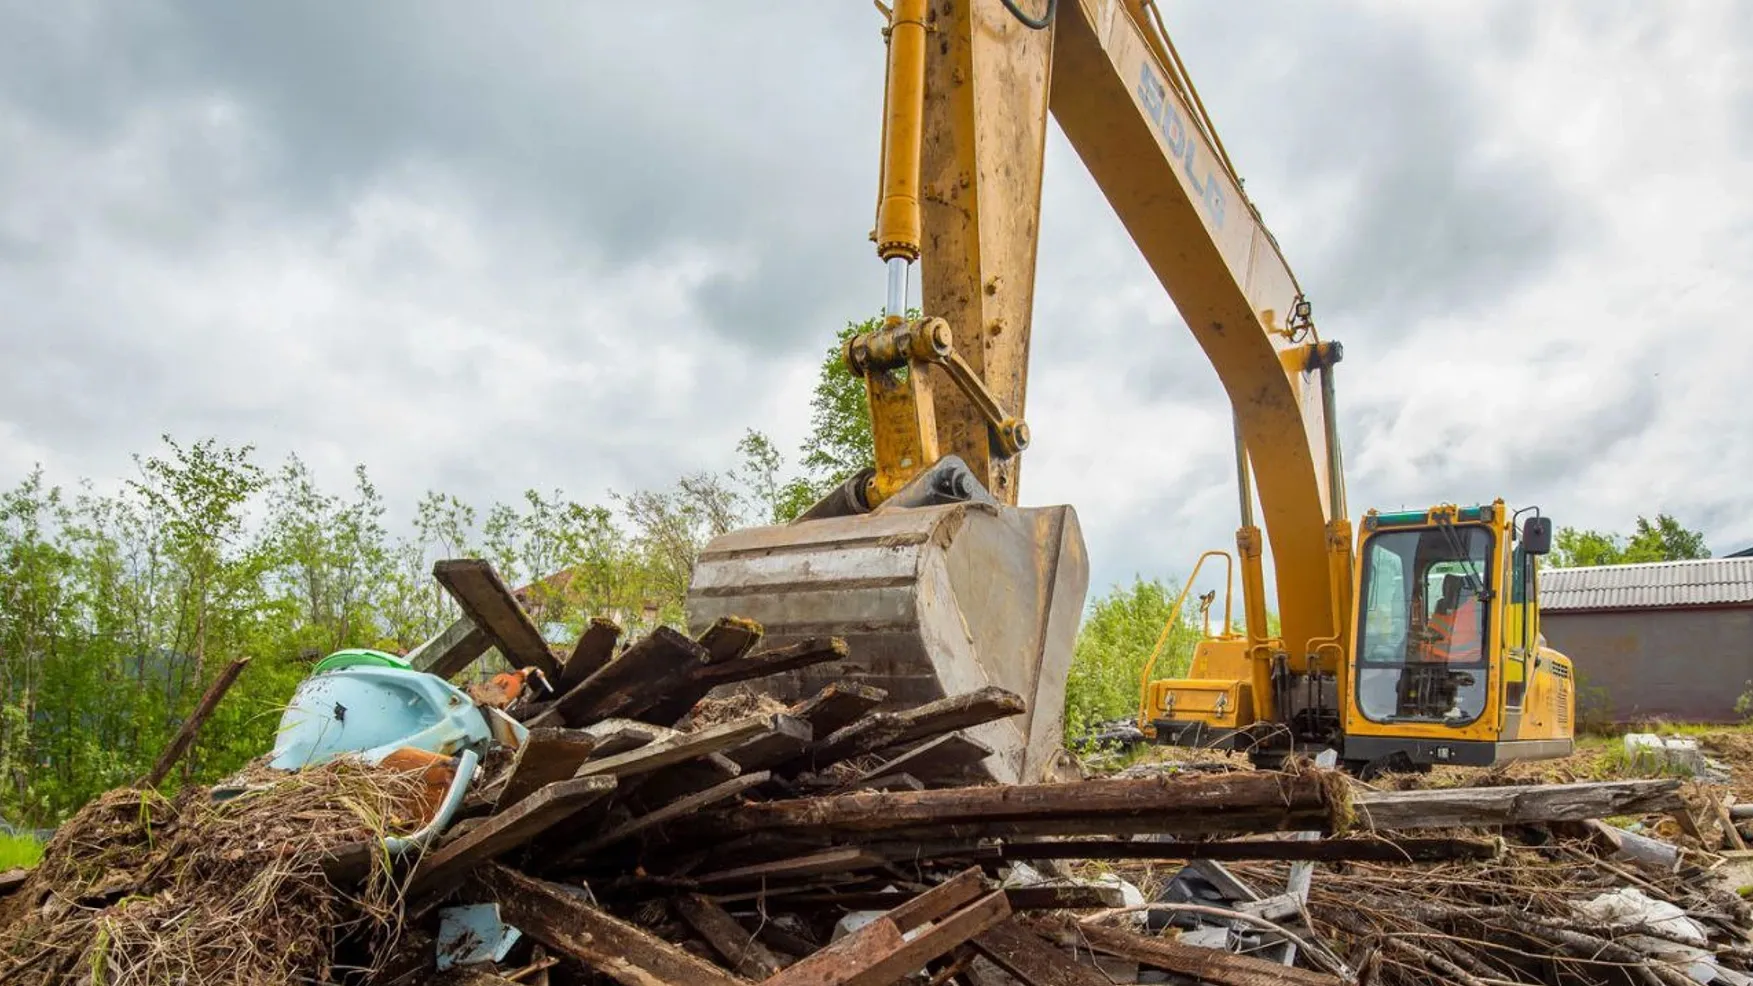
(1446, 664)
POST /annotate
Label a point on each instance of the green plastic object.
(360, 657)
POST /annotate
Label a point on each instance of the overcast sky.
(584, 245)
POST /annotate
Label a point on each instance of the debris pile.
(653, 825)
(137, 888)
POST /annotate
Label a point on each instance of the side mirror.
(1537, 535)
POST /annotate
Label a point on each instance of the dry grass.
(136, 889)
(1513, 920)
(741, 704)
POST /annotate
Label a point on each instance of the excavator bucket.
(931, 600)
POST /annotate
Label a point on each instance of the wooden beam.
(549, 754)
(868, 735)
(1468, 807)
(1208, 803)
(506, 831)
(953, 712)
(803, 654)
(594, 648)
(728, 639)
(940, 900)
(790, 737)
(678, 748)
(847, 860)
(485, 599)
(878, 954)
(1208, 965)
(943, 757)
(1324, 851)
(567, 924)
(835, 964)
(185, 735)
(837, 706)
(1029, 958)
(647, 670)
(1070, 897)
(455, 648)
(620, 735)
(728, 938)
(669, 812)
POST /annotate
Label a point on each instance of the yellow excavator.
(1417, 642)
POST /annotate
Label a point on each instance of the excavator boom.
(925, 563)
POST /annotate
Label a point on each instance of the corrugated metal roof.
(1654, 585)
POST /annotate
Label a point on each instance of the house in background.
(1665, 640)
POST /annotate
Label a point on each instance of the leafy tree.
(839, 443)
(1663, 539)
(117, 609)
(1119, 632)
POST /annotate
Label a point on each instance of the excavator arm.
(1113, 81)
(939, 582)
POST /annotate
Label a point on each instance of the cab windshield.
(1421, 650)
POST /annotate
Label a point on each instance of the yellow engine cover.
(1220, 703)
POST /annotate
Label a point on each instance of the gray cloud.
(1376, 117)
(586, 246)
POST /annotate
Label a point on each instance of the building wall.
(1684, 665)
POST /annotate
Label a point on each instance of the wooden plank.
(684, 779)
(880, 957)
(1243, 801)
(485, 599)
(594, 648)
(805, 653)
(185, 735)
(727, 639)
(669, 812)
(790, 737)
(837, 706)
(506, 831)
(869, 734)
(815, 864)
(454, 649)
(943, 757)
(729, 939)
(948, 714)
(679, 748)
(1071, 897)
(1731, 838)
(1325, 851)
(1210, 965)
(1467, 807)
(548, 755)
(567, 924)
(730, 637)
(641, 675)
(620, 735)
(832, 966)
(1029, 958)
(940, 900)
